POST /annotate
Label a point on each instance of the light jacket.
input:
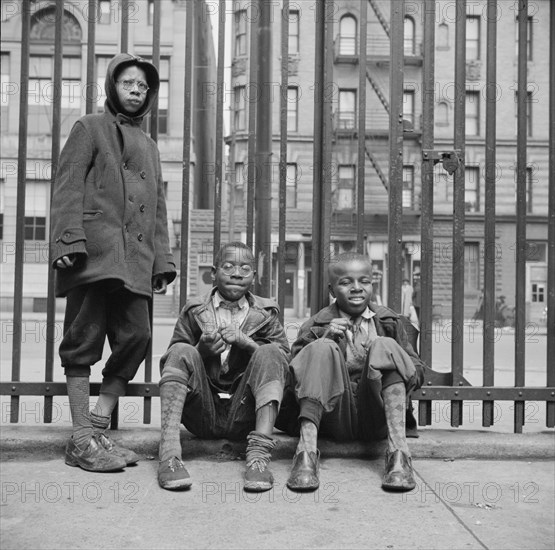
(108, 203)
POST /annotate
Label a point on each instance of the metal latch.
(450, 160)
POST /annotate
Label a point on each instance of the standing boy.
(110, 250)
(351, 371)
(224, 371)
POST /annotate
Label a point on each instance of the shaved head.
(339, 264)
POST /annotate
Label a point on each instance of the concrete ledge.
(48, 442)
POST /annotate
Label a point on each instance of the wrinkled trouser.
(205, 413)
(320, 389)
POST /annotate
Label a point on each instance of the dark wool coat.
(108, 203)
(262, 325)
(388, 323)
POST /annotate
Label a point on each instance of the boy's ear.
(330, 288)
(213, 273)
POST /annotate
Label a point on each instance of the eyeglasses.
(229, 269)
(130, 84)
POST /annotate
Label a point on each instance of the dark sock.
(78, 390)
(172, 400)
(99, 423)
(395, 398)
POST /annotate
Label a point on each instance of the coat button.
(125, 167)
(142, 208)
(143, 174)
(140, 236)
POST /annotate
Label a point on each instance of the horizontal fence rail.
(376, 101)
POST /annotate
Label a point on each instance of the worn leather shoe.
(111, 446)
(258, 477)
(398, 475)
(173, 475)
(304, 474)
(94, 458)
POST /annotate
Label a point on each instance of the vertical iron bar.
(361, 156)
(550, 408)
(427, 194)
(186, 174)
(488, 296)
(521, 181)
(20, 207)
(395, 218)
(251, 145)
(219, 131)
(124, 26)
(154, 122)
(321, 202)
(263, 190)
(457, 315)
(283, 156)
(56, 126)
(91, 92)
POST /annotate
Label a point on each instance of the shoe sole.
(176, 484)
(257, 487)
(302, 488)
(75, 463)
(398, 488)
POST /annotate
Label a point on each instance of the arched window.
(409, 34)
(347, 35)
(41, 71)
(443, 36)
(442, 113)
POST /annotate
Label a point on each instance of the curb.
(48, 442)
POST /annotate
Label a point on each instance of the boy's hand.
(233, 335)
(211, 344)
(66, 261)
(338, 328)
(159, 284)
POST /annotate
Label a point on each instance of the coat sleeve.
(186, 330)
(163, 259)
(67, 233)
(274, 333)
(403, 340)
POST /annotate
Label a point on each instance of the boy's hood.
(117, 64)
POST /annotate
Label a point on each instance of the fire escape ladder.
(378, 90)
(380, 16)
(376, 167)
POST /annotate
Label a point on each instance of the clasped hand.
(338, 328)
(214, 343)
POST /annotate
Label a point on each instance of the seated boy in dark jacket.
(226, 343)
(351, 371)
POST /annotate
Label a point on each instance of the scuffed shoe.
(130, 457)
(258, 477)
(304, 474)
(398, 475)
(172, 474)
(94, 458)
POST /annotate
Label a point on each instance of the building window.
(239, 108)
(163, 97)
(443, 36)
(408, 187)
(472, 189)
(408, 106)
(294, 23)
(347, 35)
(528, 113)
(442, 114)
(346, 187)
(538, 292)
(291, 186)
(530, 180)
(292, 109)
(471, 266)
(529, 39)
(410, 36)
(347, 109)
(5, 89)
(472, 38)
(36, 204)
(241, 32)
(2, 188)
(472, 113)
(102, 62)
(239, 184)
(443, 184)
(104, 11)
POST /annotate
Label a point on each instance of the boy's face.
(235, 274)
(129, 81)
(351, 285)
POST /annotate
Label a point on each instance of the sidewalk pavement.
(475, 489)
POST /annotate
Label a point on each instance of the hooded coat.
(108, 204)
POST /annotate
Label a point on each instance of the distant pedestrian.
(111, 251)
(406, 297)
